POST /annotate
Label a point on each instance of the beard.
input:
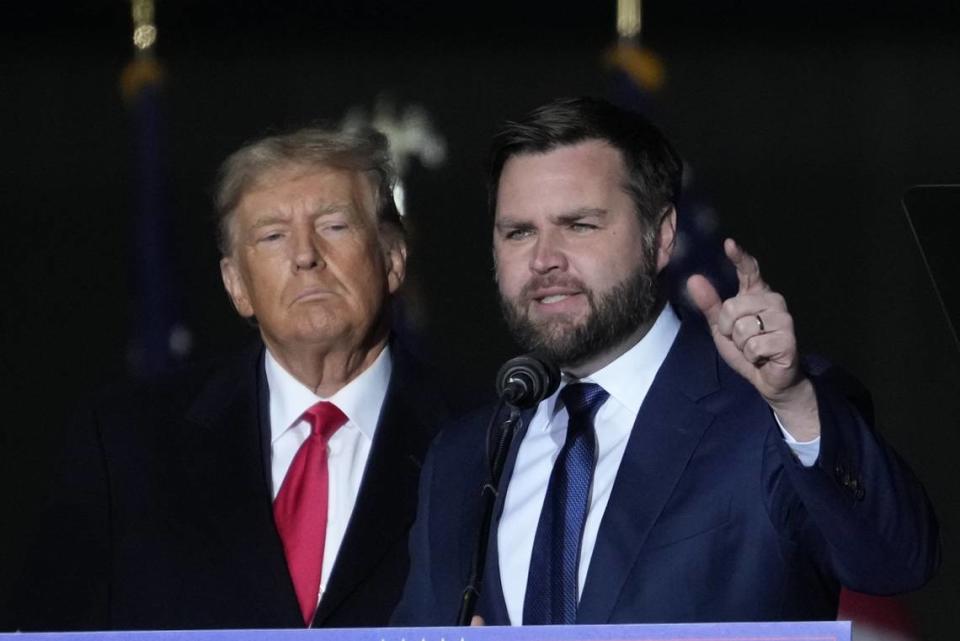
(613, 316)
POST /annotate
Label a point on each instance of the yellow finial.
(144, 29)
(144, 70)
(629, 18)
(640, 64)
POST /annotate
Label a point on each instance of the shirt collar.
(360, 400)
(628, 378)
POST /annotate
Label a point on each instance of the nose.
(548, 254)
(306, 255)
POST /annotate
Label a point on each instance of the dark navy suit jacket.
(711, 517)
(162, 516)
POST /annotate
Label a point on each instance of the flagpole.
(643, 67)
(629, 19)
(156, 338)
(144, 71)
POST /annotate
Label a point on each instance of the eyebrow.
(336, 208)
(326, 210)
(566, 217)
(579, 214)
(266, 221)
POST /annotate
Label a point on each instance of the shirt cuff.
(806, 452)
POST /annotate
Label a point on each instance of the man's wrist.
(798, 413)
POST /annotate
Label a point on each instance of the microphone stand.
(507, 431)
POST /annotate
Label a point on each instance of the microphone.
(522, 382)
(526, 380)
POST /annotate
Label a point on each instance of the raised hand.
(754, 334)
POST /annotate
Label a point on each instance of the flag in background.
(157, 338)
(635, 75)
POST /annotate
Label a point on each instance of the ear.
(236, 288)
(666, 238)
(395, 259)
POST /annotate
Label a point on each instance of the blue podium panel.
(794, 631)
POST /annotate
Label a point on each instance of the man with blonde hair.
(273, 488)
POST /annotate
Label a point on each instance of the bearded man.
(682, 472)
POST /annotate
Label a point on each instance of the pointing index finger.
(748, 269)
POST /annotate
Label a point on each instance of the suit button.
(856, 487)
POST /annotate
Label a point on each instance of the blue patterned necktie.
(551, 596)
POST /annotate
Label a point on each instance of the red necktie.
(300, 509)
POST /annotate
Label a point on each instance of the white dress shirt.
(347, 450)
(627, 380)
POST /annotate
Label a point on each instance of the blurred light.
(144, 36)
(181, 341)
(142, 11)
(629, 18)
(144, 29)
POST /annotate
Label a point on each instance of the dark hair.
(654, 169)
(365, 150)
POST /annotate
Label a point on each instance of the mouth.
(312, 294)
(550, 297)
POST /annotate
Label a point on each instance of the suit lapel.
(387, 503)
(224, 463)
(668, 428)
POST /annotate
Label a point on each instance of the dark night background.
(803, 123)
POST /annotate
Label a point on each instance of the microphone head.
(526, 380)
